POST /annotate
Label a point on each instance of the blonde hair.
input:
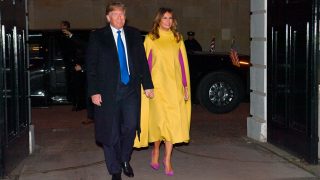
(115, 5)
(156, 24)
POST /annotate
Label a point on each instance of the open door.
(293, 35)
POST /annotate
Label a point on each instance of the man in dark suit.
(72, 48)
(116, 68)
(191, 43)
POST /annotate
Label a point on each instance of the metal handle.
(308, 41)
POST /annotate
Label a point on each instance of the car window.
(56, 48)
(36, 51)
(58, 64)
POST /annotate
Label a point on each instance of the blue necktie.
(122, 60)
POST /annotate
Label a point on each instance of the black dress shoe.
(79, 107)
(127, 169)
(116, 176)
(87, 121)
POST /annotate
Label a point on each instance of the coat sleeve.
(146, 76)
(147, 46)
(143, 141)
(91, 65)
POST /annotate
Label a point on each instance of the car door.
(57, 68)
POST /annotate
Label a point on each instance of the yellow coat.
(166, 117)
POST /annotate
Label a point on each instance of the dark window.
(36, 51)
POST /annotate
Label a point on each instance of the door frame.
(257, 121)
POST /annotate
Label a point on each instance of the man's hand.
(96, 99)
(149, 93)
(77, 67)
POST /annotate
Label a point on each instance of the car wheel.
(220, 92)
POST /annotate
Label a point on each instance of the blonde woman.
(166, 117)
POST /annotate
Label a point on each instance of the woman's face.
(166, 21)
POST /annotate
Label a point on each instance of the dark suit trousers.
(123, 129)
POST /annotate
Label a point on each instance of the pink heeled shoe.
(154, 166)
(168, 173)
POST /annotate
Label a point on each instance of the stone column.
(257, 122)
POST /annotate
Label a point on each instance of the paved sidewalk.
(66, 150)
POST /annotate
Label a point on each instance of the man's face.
(63, 26)
(117, 18)
(190, 37)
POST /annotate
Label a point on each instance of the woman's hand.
(186, 94)
(149, 93)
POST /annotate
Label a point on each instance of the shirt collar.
(114, 30)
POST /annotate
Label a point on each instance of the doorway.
(292, 79)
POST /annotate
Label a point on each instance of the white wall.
(257, 122)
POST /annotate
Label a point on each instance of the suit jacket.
(73, 50)
(103, 72)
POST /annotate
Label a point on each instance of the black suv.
(48, 82)
(216, 83)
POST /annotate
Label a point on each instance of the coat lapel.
(108, 38)
(110, 46)
(109, 42)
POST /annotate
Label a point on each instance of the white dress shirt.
(123, 38)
